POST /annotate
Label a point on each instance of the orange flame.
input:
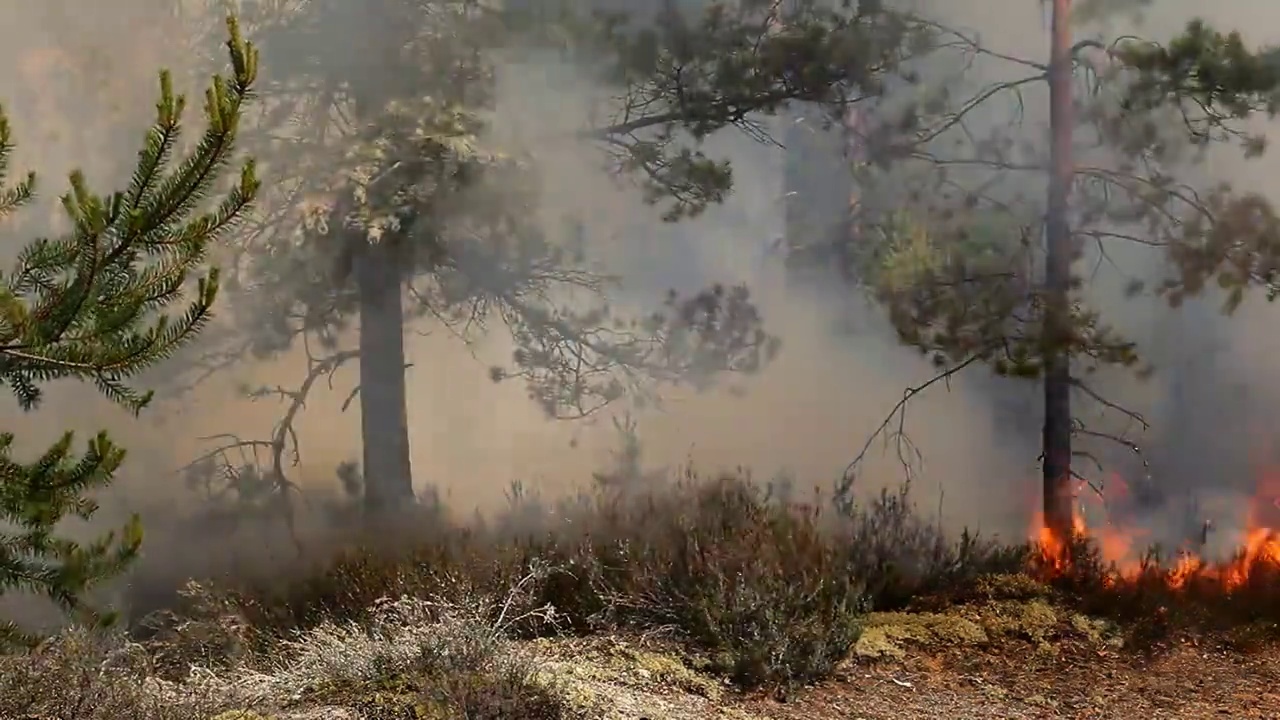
(1118, 545)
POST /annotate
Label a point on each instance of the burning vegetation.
(1123, 546)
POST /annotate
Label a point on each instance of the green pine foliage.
(947, 235)
(98, 304)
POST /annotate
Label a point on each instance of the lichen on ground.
(635, 664)
(618, 679)
(890, 635)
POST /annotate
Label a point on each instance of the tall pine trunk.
(384, 422)
(1058, 500)
(378, 34)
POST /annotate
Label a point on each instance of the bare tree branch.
(903, 445)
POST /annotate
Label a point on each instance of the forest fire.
(1124, 547)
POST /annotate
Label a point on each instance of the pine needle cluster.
(120, 291)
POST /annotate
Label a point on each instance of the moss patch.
(617, 679)
(632, 665)
(391, 696)
(1033, 619)
(888, 634)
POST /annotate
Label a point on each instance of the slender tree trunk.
(1058, 501)
(384, 425)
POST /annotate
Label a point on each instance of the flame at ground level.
(1122, 546)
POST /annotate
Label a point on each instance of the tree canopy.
(385, 161)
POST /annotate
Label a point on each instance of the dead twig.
(905, 448)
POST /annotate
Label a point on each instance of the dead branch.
(284, 439)
(904, 447)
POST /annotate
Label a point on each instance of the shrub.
(902, 556)
(84, 674)
(769, 592)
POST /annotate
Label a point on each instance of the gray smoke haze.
(808, 414)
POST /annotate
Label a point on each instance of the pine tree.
(94, 305)
(394, 207)
(953, 238)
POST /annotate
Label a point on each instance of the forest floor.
(1019, 658)
(1009, 660)
(1023, 659)
(1185, 683)
(704, 602)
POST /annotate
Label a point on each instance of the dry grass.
(81, 675)
(412, 657)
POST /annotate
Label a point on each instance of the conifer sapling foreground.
(97, 304)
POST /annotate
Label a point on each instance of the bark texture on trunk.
(1058, 500)
(384, 422)
(378, 31)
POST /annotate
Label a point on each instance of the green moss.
(391, 696)
(1095, 630)
(660, 669)
(610, 661)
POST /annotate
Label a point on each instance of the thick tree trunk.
(384, 424)
(377, 33)
(1058, 500)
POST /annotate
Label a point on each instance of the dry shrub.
(902, 555)
(506, 693)
(770, 592)
(335, 582)
(412, 658)
(210, 633)
(758, 587)
(86, 675)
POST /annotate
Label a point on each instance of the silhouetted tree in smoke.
(91, 305)
(391, 207)
(947, 237)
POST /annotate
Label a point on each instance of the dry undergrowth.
(667, 606)
(413, 659)
(432, 659)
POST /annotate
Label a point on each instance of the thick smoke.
(839, 374)
(1209, 403)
